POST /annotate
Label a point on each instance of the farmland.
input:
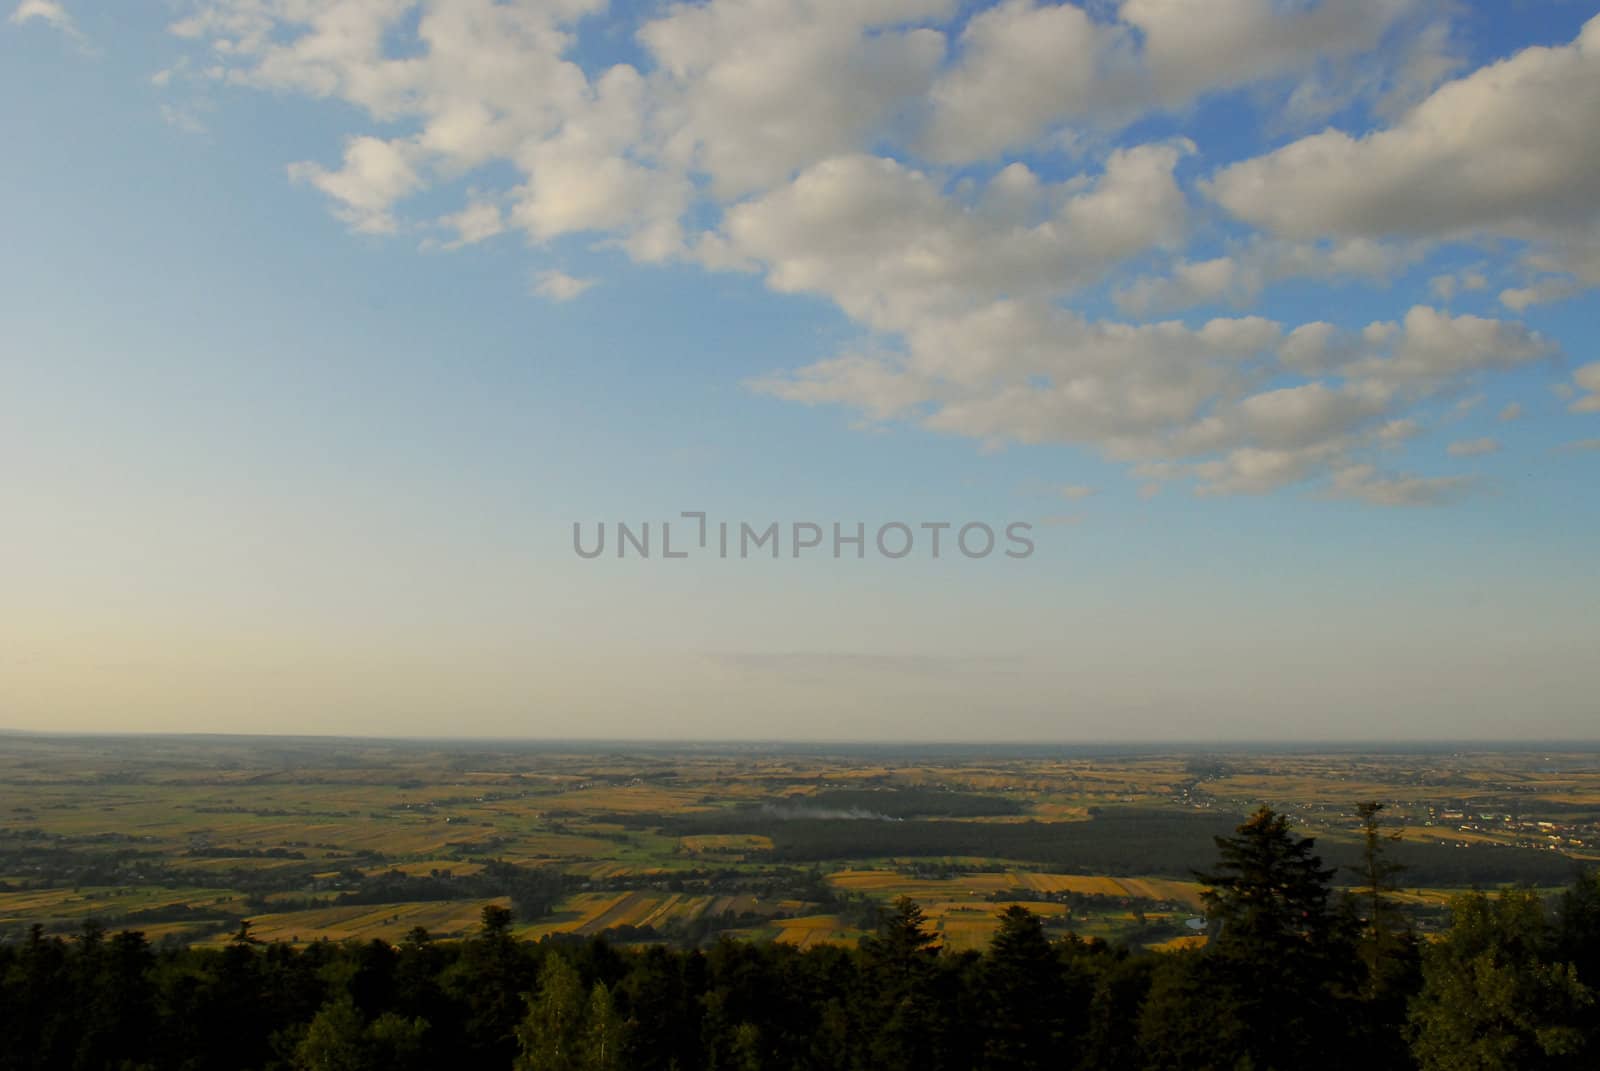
(310, 839)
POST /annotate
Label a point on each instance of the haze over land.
(326, 323)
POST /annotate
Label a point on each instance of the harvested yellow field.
(813, 930)
(1452, 835)
(739, 905)
(103, 902)
(725, 842)
(1060, 883)
(865, 880)
(649, 909)
(1173, 944)
(385, 922)
(964, 933)
(600, 870)
(628, 909)
(969, 887)
(626, 799)
(1060, 812)
(890, 882)
(1168, 889)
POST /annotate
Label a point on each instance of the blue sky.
(1278, 326)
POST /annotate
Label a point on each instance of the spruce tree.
(1276, 960)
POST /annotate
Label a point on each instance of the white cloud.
(375, 175)
(1398, 431)
(1434, 56)
(478, 222)
(753, 90)
(1024, 67)
(1507, 149)
(1364, 483)
(885, 242)
(54, 15)
(1190, 49)
(1075, 491)
(1239, 277)
(1435, 346)
(1587, 379)
(559, 286)
(1184, 402)
(1511, 412)
(1474, 447)
(1319, 347)
(1444, 287)
(45, 11)
(828, 146)
(1542, 292)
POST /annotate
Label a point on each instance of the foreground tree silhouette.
(1023, 980)
(1389, 950)
(901, 961)
(1385, 929)
(1576, 934)
(489, 979)
(1269, 984)
(1505, 989)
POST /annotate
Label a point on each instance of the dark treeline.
(1130, 840)
(1294, 976)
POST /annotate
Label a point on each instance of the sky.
(324, 324)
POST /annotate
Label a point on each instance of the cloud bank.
(1009, 202)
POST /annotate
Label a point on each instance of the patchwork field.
(326, 839)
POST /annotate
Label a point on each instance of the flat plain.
(185, 838)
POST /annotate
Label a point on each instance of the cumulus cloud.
(375, 175)
(1366, 484)
(966, 186)
(1239, 277)
(1507, 148)
(1586, 379)
(559, 286)
(481, 220)
(46, 11)
(54, 15)
(1445, 287)
(1184, 403)
(754, 90)
(1540, 293)
(1189, 50)
(1435, 346)
(1024, 67)
(890, 246)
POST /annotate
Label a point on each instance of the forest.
(1294, 975)
(1124, 840)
